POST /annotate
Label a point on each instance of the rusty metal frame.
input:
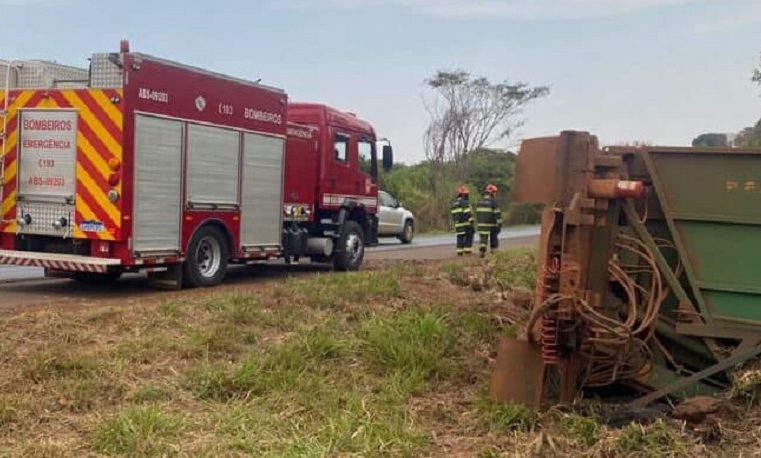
(633, 221)
(738, 357)
(668, 214)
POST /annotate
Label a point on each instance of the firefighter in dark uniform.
(462, 218)
(488, 220)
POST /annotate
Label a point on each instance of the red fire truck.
(143, 164)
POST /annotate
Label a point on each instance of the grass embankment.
(388, 362)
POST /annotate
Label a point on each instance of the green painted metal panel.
(712, 201)
(734, 306)
(715, 187)
(723, 256)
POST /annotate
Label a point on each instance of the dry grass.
(387, 362)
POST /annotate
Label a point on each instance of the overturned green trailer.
(649, 270)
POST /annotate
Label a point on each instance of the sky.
(656, 71)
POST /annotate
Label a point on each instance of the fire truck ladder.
(3, 132)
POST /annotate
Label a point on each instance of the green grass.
(9, 411)
(505, 417)
(323, 291)
(479, 326)
(584, 430)
(150, 393)
(515, 268)
(418, 344)
(746, 385)
(650, 441)
(503, 271)
(373, 364)
(138, 432)
(55, 364)
(218, 339)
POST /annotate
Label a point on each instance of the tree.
(757, 76)
(750, 137)
(470, 113)
(711, 140)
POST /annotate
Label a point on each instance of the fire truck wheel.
(95, 278)
(206, 263)
(351, 248)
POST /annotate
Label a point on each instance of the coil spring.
(550, 340)
(549, 328)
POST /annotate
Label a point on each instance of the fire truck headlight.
(113, 196)
(25, 220)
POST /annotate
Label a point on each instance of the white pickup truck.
(394, 220)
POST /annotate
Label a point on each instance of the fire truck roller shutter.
(262, 188)
(158, 185)
(213, 156)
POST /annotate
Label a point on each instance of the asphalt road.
(26, 289)
(12, 273)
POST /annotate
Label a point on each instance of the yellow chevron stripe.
(48, 102)
(113, 146)
(87, 212)
(8, 203)
(10, 142)
(96, 159)
(97, 194)
(20, 101)
(108, 107)
(10, 171)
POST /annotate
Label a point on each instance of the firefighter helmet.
(491, 189)
(463, 191)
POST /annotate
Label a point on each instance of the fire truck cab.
(144, 164)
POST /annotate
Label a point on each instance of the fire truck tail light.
(113, 196)
(103, 247)
(114, 164)
(113, 179)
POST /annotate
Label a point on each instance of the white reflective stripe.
(57, 261)
(338, 199)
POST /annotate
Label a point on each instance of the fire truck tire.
(94, 278)
(206, 262)
(350, 248)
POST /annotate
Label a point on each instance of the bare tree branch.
(468, 113)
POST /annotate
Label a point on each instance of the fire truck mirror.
(388, 157)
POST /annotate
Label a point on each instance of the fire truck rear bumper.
(55, 261)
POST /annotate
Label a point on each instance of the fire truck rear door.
(46, 176)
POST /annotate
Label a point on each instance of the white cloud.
(517, 9)
(731, 19)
